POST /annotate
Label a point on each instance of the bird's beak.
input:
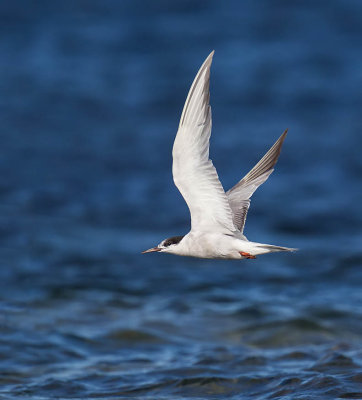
(151, 250)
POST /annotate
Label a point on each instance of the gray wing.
(239, 195)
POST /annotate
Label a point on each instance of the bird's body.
(219, 245)
(217, 218)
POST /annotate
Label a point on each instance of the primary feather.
(239, 195)
(193, 172)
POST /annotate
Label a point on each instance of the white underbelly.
(204, 245)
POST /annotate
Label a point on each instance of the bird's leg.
(247, 255)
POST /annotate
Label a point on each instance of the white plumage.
(217, 218)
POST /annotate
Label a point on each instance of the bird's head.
(166, 246)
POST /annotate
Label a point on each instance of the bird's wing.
(239, 195)
(193, 171)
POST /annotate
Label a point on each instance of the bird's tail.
(271, 248)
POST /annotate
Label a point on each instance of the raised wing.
(193, 171)
(239, 195)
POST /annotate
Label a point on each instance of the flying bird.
(217, 218)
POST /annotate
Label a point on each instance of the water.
(91, 96)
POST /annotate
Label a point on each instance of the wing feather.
(239, 195)
(193, 171)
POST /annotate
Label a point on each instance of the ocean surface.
(91, 95)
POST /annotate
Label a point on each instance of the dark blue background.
(91, 95)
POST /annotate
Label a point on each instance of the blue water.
(91, 94)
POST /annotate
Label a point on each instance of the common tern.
(217, 218)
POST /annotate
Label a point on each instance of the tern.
(217, 218)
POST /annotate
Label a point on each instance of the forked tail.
(273, 249)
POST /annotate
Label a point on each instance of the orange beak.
(151, 250)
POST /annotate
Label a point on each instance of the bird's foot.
(247, 255)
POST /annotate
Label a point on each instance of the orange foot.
(247, 255)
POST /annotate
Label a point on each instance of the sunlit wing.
(239, 195)
(193, 171)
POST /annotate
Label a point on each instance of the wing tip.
(283, 135)
(203, 76)
(208, 59)
(279, 143)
